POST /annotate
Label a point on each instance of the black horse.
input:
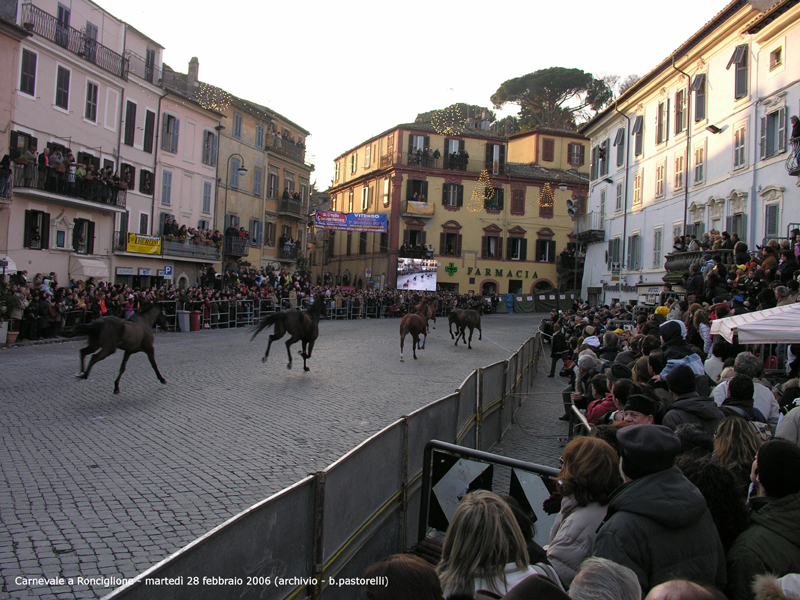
(303, 327)
(131, 335)
(471, 318)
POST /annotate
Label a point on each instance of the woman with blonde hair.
(483, 549)
(736, 445)
(588, 477)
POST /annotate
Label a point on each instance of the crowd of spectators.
(172, 230)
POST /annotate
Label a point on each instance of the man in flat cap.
(658, 523)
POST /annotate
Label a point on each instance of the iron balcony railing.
(292, 207)
(589, 222)
(141, 68)
(49, 27)
(236, 246)
(287, 148)
(793, 160)
(62, 183)
(171, 246)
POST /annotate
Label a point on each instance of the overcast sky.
(346, 71)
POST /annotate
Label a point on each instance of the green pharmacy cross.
(451, 269)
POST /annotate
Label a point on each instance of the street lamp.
(563, 187)
(242, 171)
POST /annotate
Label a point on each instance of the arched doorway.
(488, 288)
(543, 285)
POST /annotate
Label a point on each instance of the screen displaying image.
(416, 274)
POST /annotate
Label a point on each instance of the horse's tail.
(82, 329)
(267, 321)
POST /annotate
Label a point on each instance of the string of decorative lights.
(546, 198)
(483, 192)
(449, 121)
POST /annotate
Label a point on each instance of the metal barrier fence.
(336, 522)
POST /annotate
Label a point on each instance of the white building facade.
(699, 143)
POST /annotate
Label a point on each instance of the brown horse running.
(455, 317)
(415, 324)
(433, 306)
(472, 319)
(302, 327)
(132, 335)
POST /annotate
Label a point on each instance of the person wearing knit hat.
(659, 524)
(662, 310)
(771, 543)
(641, 409)
(588, 331)
(688, 406)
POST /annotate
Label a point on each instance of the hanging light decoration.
(213, 98)
(482, 193)
(546, 199)
(449, 121)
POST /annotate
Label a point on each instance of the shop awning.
(772, 326)
(83, 268)
(11, 267)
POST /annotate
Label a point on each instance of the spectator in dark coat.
(688, 406)
(694, 285)
(559, 348)
(787, 266)
(658, 523)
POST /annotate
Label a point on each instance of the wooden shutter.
(763, 137)
(489, 154)
(442, 242)
(509, 247)
(771, 220)
(548, 149)
(175, 135)
(164, 132)
(594, 163)
(425, 189)
(90, 237)
(446, 152)
(502, 159)
(518, 201)
(76, 233)
(445, 189)
(26, 233)
(484, 247)
(44, 231)
(409, 189)
(458, 245)
(410, 144)
(123, 221)
(782, 129)
(499, 253)
(523, 249)
(609, 253)
(422, 237)
(427, 143)
(460, 193)
(462, 145)
(13, 145)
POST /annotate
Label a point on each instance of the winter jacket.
(600, 408)
(763, 400)
(771, 544)
(691, 408)
(660, 527)
(789, 428)
(559, 345)
(572, 537)
(694, 286)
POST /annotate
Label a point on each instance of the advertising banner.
(144, 244)
(328, 219)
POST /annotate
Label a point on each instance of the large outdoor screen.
(416, 274)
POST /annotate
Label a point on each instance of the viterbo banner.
(328, 219)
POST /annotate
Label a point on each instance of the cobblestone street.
(98, 485)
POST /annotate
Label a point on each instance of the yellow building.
(502, 237)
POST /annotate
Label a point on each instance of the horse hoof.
(401, 359)
(306, 368)
(415, 358)
(163, 382)
(79, 375)
(289, 366)
(263, 360)
(116, 391)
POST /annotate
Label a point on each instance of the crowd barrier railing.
(330, 526)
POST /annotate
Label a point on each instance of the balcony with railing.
(49, 27)
(793, 160)
(292, 208)
(454, 162)
(677, 264)
(172, 246)
(143, 68)
(287, 253)
(236, 246)
(287, 148)
(420, 210)
(61, 186)
(6, 183)
(589, 228)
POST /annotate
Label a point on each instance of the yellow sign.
(144, 244)
(419, 208)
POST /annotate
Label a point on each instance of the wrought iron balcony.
(793, 160)
(451, 163)
(421, 210)
(49, 27)
(142, 69)
(189, 249)
(677, 264)
(236, 246)
(290, 207)
(57, 181)
(287, 254)
(287, 148)
(589, 228)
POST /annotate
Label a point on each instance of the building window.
(495, 202)
(661, 173)
(613, 253)
(353, 163)
(450, 242)
(492, 244)
(602, 204)
(144, 222)
(776, 58)
(269, 234)
(619, 143)
(27, 78)
(206, 197)
(699, 89)
(620, 197)
(169, 139)
(36, 234)
(739, 147)
(545, 250)
(576, 154)
(739, 58)
(235, 164)
(130, 123)
(145, 182)
(237, 126)
(366, 198)
(90, 111)
(62, 88)
(548, 150)
(680, 111)
(350, 201)
(255, 232)
(209, 148)
(386, 192)
(149, 130)
(166, 188)
(637, 189)
(495, 159)
(452, 194)
(773, 133)
(699, 164)
(517, 202)
(658, 243)
(737, 224)
(679, 172)
(602, 157)
(362, 242)
(272, 185)
(258, 176)
(337, 169)
(634, 252)
(662, 121)
(260, 137)
(83, 237)
(771, 221)
(367, 156)
(149, 64)
(638, 135)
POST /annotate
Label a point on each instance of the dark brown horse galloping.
(131, 335)
(303, 327)
(433, 306)
(472, 319)
(416, 324)
(455, 317)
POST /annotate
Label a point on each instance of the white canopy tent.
(779, 325)
(11, 266)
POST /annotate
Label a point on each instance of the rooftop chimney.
(194, 68)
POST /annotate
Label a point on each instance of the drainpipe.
(688, 144)
(625, 196)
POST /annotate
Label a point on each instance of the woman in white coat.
(589, 474)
